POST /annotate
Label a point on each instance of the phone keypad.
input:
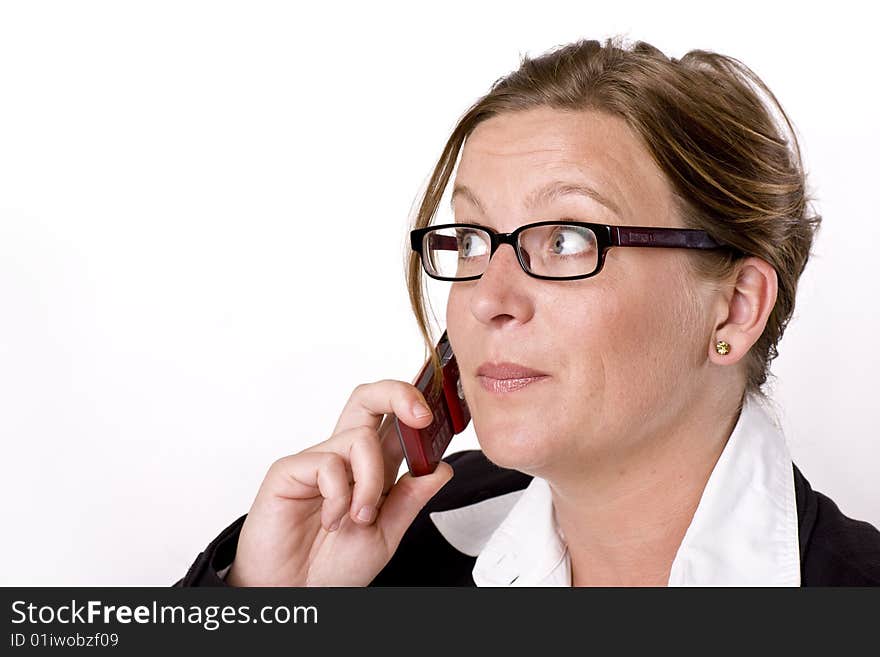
(440, 431)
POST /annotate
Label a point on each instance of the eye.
(572, 241)
(471, 243)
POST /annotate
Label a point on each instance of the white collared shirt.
(743, 533)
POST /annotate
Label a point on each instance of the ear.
(743, 310)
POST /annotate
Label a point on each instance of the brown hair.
(733, 171)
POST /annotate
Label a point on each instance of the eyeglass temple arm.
(443, 242)
(664, 237)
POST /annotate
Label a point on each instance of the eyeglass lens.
(552, 250)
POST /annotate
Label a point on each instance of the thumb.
(406, 498)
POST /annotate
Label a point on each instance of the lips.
(506, 386)
(505, 378)
(508, 371)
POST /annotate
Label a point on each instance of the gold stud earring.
(722, 347)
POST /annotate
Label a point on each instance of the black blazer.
(835, 550)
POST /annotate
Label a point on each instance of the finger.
(389, 450)
(369, 402)
(368, 471)
(393, 398)
(336, 491)
(408, 496)
(315, 475)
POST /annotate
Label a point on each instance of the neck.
(624, 518)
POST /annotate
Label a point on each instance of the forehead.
(509, 155)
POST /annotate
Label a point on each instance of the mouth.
(507, 377)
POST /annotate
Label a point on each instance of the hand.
(332, 514)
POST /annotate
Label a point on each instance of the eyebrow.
(542, 195)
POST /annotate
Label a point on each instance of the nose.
(503, 293)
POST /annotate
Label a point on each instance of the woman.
(615, 392)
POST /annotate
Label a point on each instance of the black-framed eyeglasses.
(550, 250)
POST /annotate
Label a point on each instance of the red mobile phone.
(424, 448)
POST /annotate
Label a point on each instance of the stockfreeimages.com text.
(210, 617)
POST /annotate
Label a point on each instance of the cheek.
(459, 323)
(454, 304)
(456, 309)
(653, 341)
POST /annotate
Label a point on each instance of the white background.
(167, 170)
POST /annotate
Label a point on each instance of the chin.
(519, 446)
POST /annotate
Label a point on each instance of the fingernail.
(420, 410)
(335, 525)
(366, 513)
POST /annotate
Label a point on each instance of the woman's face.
(625, 351)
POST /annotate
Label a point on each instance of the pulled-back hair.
(708, 121)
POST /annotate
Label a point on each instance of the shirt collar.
(743, 533)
